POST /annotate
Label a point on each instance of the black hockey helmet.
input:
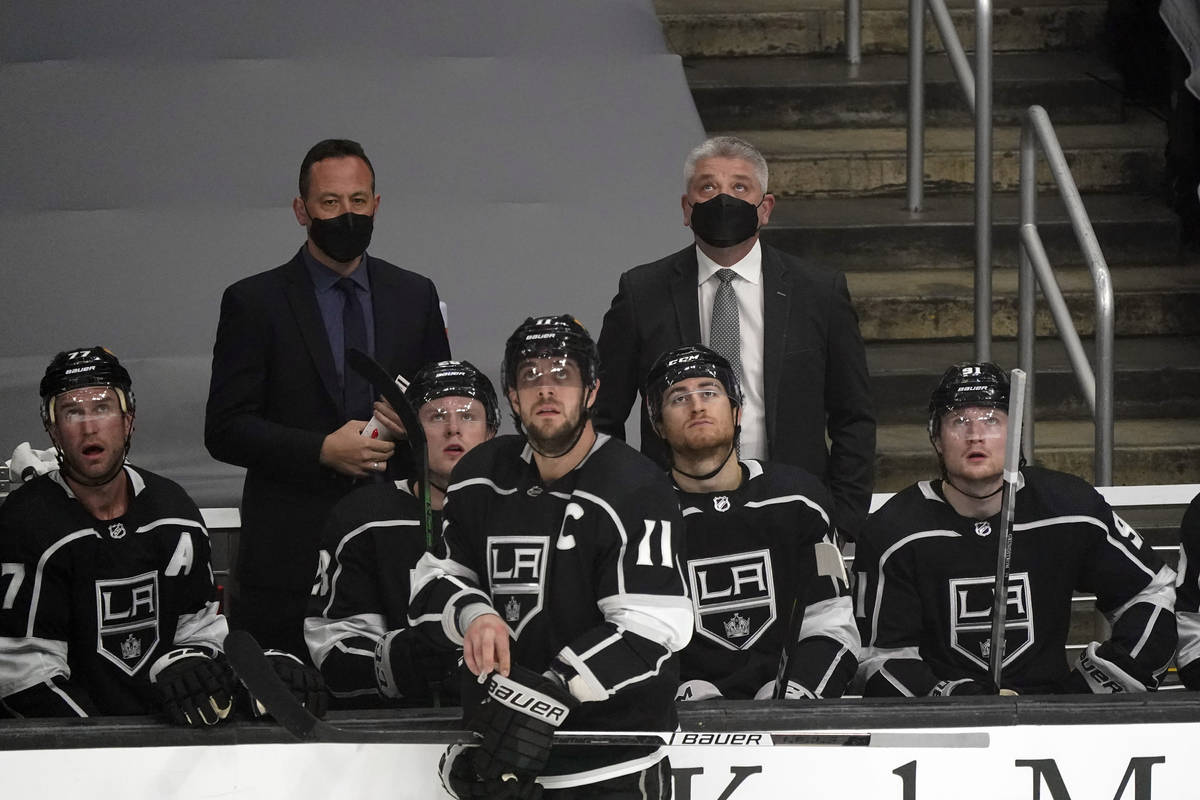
(74, 369)
(457, 378)
(560, 336)
(965, 384)
(681, 363)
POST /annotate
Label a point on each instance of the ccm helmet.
(92, 366)
(454, 378)
(968, 384)
(688, 361)
(560, 336)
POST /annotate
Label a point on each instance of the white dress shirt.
(748, 288)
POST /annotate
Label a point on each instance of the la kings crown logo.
(127, 620)
(971, 618)
(733, 597)
(517, 577)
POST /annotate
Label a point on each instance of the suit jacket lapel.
(777, 306)
(303, 303)
(683, 295)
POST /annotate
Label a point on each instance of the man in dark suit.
(282, 402)
(789, 330)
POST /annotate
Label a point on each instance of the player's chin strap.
(585, 413)
(960, 490)
(707, 475)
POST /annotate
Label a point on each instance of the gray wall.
(527, 152)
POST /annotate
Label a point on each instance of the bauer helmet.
(968, 384)
(454, 378)
(560, 336)
(74, 369)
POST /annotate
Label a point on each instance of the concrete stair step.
(849, 162)
(1146, 451)
(879, 233)
(939, 304)
(1156, 376)
(801, 27)
(811, 92)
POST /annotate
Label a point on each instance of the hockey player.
(109, 604)
(750, 527)
(358, 632)
(1187, 600)
(558, 572)
(926, 569)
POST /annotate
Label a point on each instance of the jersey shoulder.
(370, 504)
(768, 480)
(615, 467)
(498, 459)
(1055, 493)
(914, 509)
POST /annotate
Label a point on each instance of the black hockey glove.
(1106, 668)
(194, 688)
(517, 721)
(406, 665)
(460, 779)
(305, 683)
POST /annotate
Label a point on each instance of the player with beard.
(558, 573)
(109, 604)
(358, 631)
(926, 569)
(751, 527)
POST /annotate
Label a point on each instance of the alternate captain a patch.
(517, 577)
(971, 612)
(733, 597)
(127, 620)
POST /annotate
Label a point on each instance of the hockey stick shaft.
(1012, 465)
(261, 680)
(829, 564)
(374, 373)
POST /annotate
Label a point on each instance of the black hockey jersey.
(1187, 597)
(925, 578)
(372, 540)
(586, 569)
(749, 559)
(89, 605)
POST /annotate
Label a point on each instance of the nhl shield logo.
(517, 577)
(127, 620)
(971, 618)
(721, 503)
(983, 528)
(116, 531)
(733, 597)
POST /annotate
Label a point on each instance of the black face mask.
(725, 221)
(343, 238)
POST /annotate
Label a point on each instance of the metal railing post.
(915, 177)
(1026, 312)
(853, 15)
(1097, 384)
(983, 180)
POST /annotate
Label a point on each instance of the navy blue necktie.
(356, 391)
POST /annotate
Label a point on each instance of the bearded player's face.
(549, 399)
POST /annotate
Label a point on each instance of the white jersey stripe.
(383, 523)
(187, 523)
(883, 560)
(789, 498)
(37, 580)
(620, 528)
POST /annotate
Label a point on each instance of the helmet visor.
(86, 404)
(974, 423)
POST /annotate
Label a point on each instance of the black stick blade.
(255, 671)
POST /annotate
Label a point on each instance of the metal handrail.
(978, 91)
(1097, 387)
(853, 21)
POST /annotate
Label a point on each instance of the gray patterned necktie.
(724, 334)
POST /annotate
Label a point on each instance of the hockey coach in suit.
(282, 402)
(789, 330)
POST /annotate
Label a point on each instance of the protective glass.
(89, 403)
(975, 423)
(706, 395)
(458, 411)
(535, 372)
